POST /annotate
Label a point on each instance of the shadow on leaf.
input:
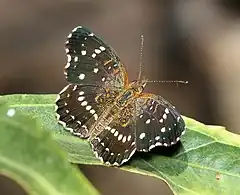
(162, 160)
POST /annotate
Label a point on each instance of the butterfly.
(101, 105)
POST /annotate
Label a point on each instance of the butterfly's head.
(139, 85)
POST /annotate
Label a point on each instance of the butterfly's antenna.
(141, 58)
(177, 82)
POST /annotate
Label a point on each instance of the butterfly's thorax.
(124, 98)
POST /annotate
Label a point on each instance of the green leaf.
(32, 158)
(207, 161)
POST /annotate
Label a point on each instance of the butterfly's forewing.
(79, 106)
(157, 123)
(96, 76)
(92, 61)
(116, 143)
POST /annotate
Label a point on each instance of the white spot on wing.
(164, 116)
(166, 111)
(81, 76)
(95, 70)
(108, 128)
(116, 133)
(83, 52)
(163, 129)
(148, 121)
(113, 131)
(161, 120)
(95, 116)
(81, 92)
(120, 137)
(97, 51)
(94, 55)
(142, 135)
(124, 139)
(84, 103)
(81, 98)
(157, 138)
(129, 138)
(91, 35)
(92, 111)
(88, 107)
(76, 59)
(102, 48)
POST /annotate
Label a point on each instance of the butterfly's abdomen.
(113, 112)
(104, 120)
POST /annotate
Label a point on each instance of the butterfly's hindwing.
(79, 106)
(158, 123)
(92, 61)
(116, 143)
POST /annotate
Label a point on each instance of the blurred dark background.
(194, 40)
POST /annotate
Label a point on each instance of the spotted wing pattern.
(79, 106)
(157, 124)
(93, 61)
(87, 108)
(96, 76)
(116, 143)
